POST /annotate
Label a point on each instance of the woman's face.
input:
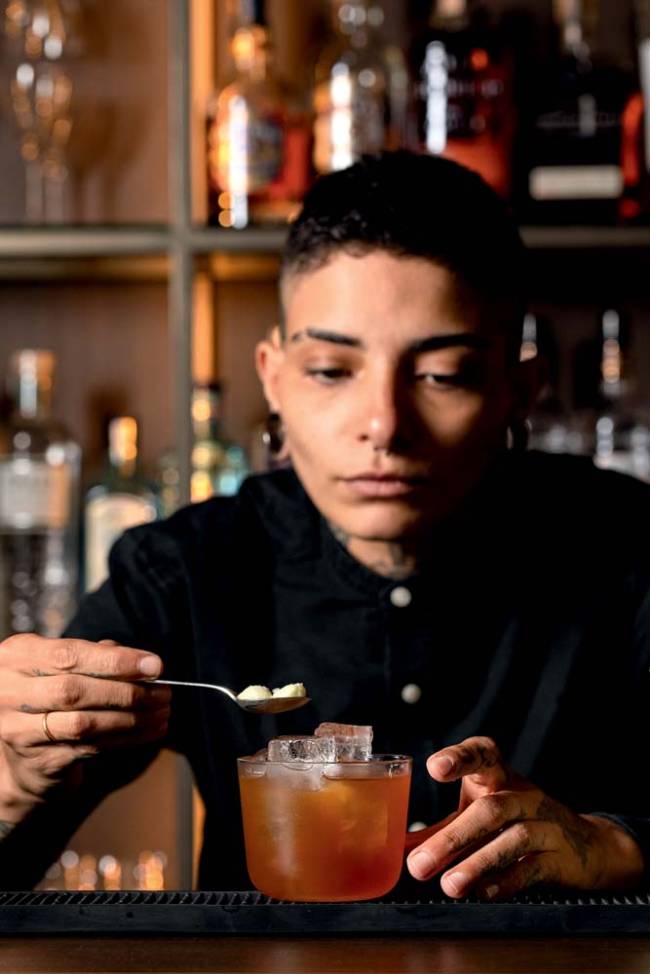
(395, 392)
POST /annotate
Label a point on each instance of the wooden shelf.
(253, 240)
(45, 243)
(586, 238)
(107, 241)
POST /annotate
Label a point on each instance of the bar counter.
(264, 955)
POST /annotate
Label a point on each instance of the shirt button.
(411, 693)
(416, 826)
(400, 597)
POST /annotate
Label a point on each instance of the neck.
(392, 559)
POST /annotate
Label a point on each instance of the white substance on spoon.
(254, 692)
(290, 690)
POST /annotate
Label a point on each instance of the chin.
(382, 524)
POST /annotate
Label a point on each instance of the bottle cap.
(33, 361)
(123, 439)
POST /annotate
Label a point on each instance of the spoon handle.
(203, 686)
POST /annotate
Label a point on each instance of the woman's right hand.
(93, 700)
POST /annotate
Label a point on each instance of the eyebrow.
(431, 344)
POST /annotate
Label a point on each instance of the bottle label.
(624, 461)
(106, 518)
(246, 148)
(350, 120)
(575, 182)
(34, 494)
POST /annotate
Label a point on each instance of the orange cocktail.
(325, 831)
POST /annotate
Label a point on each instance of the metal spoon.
(270, 705)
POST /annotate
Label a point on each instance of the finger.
(52, 760)
(70, 691)
(476, 756)
(537, 868)
(477, 824)
(45, 657)
(414, 839)
(108, 642)
(22, 731)
(98, 727)
(501, 853)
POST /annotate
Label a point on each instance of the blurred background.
(152, 153)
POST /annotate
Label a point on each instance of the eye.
(327, 376)
(440, 378)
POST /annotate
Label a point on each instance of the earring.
(518, 434)
(273, 435)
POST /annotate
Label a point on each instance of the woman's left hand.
(508, 835)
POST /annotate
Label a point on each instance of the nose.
(383, 415)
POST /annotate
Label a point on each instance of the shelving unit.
(176, 252)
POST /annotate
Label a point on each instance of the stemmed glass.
(41, 93)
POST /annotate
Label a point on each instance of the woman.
(416, 568)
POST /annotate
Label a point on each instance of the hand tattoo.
(575, 834)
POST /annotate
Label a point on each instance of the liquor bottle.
(121, 499)
(39, 498)
(553, 429)
(466, 107)
(574, 169)
(218, 464)
(635, 129)
(547, 421)
(622, 429)
(362, 97)
(258, 133)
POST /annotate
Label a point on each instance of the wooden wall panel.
(110, 341)
(245, 313)
(141, 817)
(118, 145)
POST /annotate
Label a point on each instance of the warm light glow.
(479, 59)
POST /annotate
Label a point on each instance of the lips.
(383, 485)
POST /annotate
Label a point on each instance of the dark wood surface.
(442, 955)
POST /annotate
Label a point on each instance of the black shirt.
(529, 621)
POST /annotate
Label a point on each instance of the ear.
(269, 356)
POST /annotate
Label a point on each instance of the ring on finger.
(46, 730)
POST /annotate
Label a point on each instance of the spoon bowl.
(266, 705)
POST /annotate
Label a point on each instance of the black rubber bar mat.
(218, 913)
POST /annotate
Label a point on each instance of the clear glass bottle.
(553, 429)
(258, 132)
(39, 498)
(362, 100)
(218, 464)
(574, 169)
(466, 106)
(622, 433)
(121, 499)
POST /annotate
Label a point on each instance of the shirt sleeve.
(136, 606)
(635, 818)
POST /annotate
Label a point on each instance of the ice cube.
(303, 775)
(353, 741)
(303, 750)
